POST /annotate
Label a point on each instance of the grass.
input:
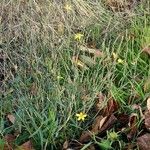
(44, 90)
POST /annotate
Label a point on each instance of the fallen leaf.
(111, 120)
(147, 49)
(132, 126)
(148, 104)
(112, 106)
(85, 136)
(11, 118)
(143, 142)
(100, 125)
(147, 119)
(25, 146)
(9, 139)
(65, 145)
(123, 120)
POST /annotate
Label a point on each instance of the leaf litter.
(109, 118)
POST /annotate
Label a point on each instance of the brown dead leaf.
(143, 142)
(123, 120)
(148, 104)
(111, 120)
(11, 118)
(147, 49)
(147, 115)
(65, 145)
(132, 126)
(85, 136)
(112, 106)
(100, 125)
(147, 119)
(9, 139)
(97, 124)
(26, 146)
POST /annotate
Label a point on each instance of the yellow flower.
(115, 56)
(68, 7)
(120, 61)
(81, 116)
(78, 36)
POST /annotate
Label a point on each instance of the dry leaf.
(146, 49)
(147, 119)
(144, 142)
(11, 118)
(65, 145)
(132, 126)
(123, 120)
(108, 124)
(9, 139)
(85, 136)
(98, 123)
(111, 107)
(148, 104)
(26, 146)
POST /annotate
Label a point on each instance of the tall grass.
(43, 89)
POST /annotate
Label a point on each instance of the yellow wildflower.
(120, 61)
(115, 56)
(68, 7)
(78, 36)
(81, 116)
